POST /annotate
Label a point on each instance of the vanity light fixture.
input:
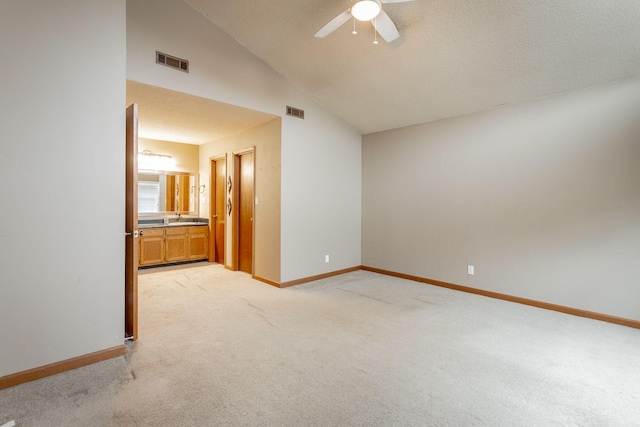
(149, 153)
(153, 161)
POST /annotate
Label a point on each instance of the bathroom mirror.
(162, 193)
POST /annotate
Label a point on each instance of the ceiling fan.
(365, 10)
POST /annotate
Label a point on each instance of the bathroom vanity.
(174, 242)
(169, 230)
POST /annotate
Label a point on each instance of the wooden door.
(245, 212)
(131, 226)
(183, 193)
(218, 215)
(170, 194)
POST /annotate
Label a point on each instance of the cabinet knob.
(141, 232)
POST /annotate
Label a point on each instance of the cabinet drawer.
(176, 231)
(149, 232)
(198, 229)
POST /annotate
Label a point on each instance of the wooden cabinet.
(198, 242)
(152, 246)
(177, 244)
(173, 244)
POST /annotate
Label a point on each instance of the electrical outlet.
(470, 270)
(326, 258)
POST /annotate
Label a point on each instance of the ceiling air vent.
(295, 112)
(172, 61)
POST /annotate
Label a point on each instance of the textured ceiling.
(453, 57)
(174, 116)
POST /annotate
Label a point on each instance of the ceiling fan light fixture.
(366, 10)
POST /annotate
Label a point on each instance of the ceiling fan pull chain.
(354, 27)
(375, 30)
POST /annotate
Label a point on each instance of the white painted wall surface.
(542, 198)
(62, 173)
(321, 166)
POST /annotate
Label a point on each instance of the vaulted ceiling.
(453, 57)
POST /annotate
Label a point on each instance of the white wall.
(542, 198)
(320, 155)
(62, 169)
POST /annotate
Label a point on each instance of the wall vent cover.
(295, 112)
(172, 61)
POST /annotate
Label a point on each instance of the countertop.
(142, 224)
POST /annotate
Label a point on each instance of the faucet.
(179, 217)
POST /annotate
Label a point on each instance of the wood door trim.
(244, 151)
(62, 366)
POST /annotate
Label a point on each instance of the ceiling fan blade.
(395, 1)
(334, 24)
(385, 27)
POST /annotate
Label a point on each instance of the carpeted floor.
(217, 348)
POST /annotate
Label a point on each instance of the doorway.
(217, 209)
(244, 167)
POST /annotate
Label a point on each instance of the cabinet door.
(198, 242)
(151, 247)
(177, 244)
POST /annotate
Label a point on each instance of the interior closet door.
(218, 216)
(245, 211)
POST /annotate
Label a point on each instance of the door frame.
(212, 206)
(235, 212)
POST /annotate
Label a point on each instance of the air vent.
(172, 61)
(295, 112)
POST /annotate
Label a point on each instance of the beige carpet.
(219, 349)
